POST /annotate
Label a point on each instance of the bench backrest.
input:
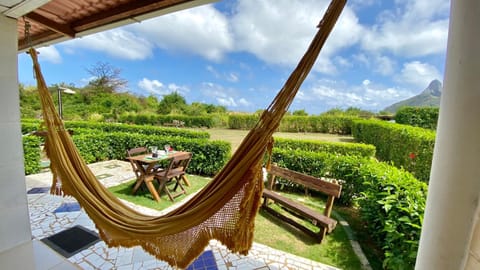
(328, 188)
(333, 190)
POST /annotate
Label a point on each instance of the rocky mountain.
(430, 97)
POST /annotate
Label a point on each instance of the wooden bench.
(175, 123)
(322, 221)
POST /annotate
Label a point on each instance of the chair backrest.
(135, 152)
(178, 165)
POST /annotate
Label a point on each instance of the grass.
(235, 136)
(334, 250)
(144, 198)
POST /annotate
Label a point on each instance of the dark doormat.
(71, 241)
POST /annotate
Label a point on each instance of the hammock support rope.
(224, 210)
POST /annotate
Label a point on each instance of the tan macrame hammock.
(224, 210)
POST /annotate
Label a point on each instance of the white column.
(14, 220)
(454, 187)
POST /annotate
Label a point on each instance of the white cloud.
(50, 54)
(202, 31)
(418, 74)
(228, 101)
(414, 28)
(324, 94)
(155, 87)
(276, 35)
(152, 86)
(182, 90)
(118, 43)
(232, 77)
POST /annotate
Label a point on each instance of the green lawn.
(144, 198)
(334, 250)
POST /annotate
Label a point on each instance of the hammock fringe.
(225, 209)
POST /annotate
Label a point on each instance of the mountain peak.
(434, 88)
(430, 97)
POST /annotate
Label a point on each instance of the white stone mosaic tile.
(45, 223)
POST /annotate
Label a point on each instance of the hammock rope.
(224, 210)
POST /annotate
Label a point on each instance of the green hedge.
(242, 121)
(143, 129)
(405, 146)
(208, 156)
(424, 117)
(156, 119)
(355, 149)
(332, 124)
(31, 154)
(29, 125)
(322, 124)
(391, 200)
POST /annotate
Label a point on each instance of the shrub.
(356, 149)
(31, 154)
(391, 200)
(424, 117)
(405, 146)
(143, 129)
(322, 124)
(242, 121)
(156, 119)
(208, 156)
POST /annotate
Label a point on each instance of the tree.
(107, 77)
(300, 113)
(172, 103)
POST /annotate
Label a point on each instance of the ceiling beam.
(52, 25)
(121, 12)
(24, 7)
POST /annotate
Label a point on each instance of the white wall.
(14, 220)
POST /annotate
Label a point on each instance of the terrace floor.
(52, 214)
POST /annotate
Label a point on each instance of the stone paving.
(47, 220)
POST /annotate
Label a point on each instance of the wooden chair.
(135, 152)
(135, 166)
(174, 173)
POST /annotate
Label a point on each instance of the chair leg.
(163, 186)
(185, 180)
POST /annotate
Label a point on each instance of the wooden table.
(146, 164)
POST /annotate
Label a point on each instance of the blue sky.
(239, 53)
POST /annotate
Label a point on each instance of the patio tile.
(50, 214)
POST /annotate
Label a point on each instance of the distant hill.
(430, 97)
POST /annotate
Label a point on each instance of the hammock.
(224, 210)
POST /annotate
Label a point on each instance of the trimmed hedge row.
(332, 124)
(321, 124)
(405, 146)
(30, 126)
(391, 200)
(424, 117)
(356, 149)
(143, 129)
(156, 119)
(31, 154)
(104, 141)
(208, 156)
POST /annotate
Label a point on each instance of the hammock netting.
(225, 209)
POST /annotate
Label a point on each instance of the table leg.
(137, 185)
(151, 188)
